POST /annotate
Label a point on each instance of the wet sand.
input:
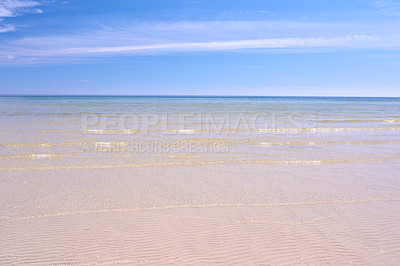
(311, 197)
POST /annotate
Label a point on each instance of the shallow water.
(199, 180)
(71, 131)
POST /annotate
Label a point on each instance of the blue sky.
(199, 47)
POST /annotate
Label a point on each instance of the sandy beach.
(314, 194)
(201, 215)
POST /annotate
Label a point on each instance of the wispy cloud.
(347, 41)
(387, 7)
(150, 38)
(14, 8)
(4, 27)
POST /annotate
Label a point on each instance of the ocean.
(232, 180)
(85, 131)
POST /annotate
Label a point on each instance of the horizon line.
(188, 96)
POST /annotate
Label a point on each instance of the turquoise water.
(74, 105)
(66, 131)
(326, 110)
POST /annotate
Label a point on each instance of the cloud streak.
(347, 41)
(5, 27)
(160, 38)
(14, 8)
(387, 7)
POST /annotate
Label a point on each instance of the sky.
(200, 47)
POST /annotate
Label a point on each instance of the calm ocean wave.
(86, 132)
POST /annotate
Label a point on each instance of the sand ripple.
(303, 233)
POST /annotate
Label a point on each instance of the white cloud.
(387, 7)
(271, 43)
(150, 38)
(6, 28)
(14, 8)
